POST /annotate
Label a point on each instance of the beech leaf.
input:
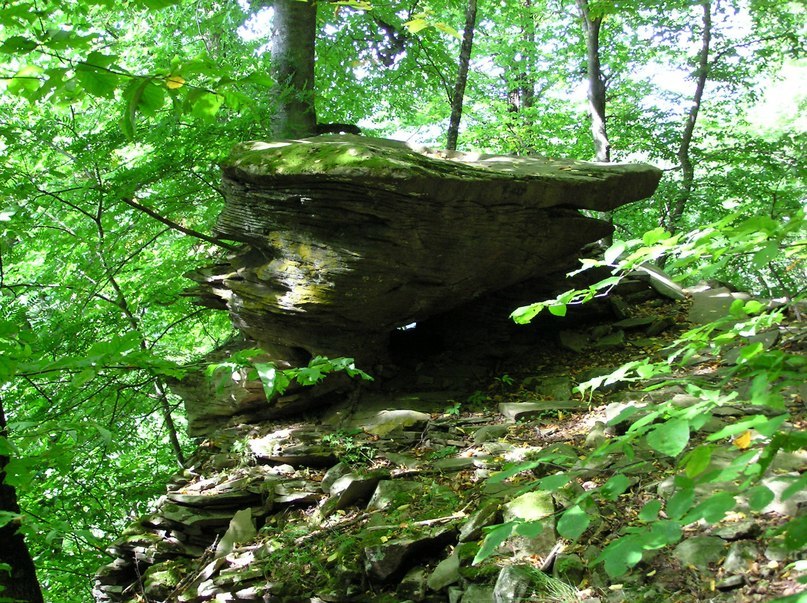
(670, 437)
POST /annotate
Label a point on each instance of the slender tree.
(462, 75)
(18, 580)
(596, 82)
(671, 221)
(522, 95)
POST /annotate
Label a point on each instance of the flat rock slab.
(349, 237)
(215, 499)
(712, 304)
(388, 421)
(514, 411)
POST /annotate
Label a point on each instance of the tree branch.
(171, 224)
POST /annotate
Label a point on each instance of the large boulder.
(347, 237)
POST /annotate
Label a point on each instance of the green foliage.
(103, 103)
(668, 429)
(275, 381)
(349, 449)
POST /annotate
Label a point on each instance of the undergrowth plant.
(276, 381)
(702, 489)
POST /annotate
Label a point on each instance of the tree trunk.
(21, 583)
(462, 76)
(687, 168)
(292, 54)
(168, 419)
(596, 83)
(522, 96)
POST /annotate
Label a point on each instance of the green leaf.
(152, 98)
(83, 377)
(416, 25)
(493, 539)
(525, 314)
(267, 373)
(551, 483)
(573, 523)
(748, 352)
(132, 93)
(758, 422)
(650, 510)
(445, 28)
(18, 45)
(529, 529)
(766, 255)
(759, 497)
(612, 254)
(713, 509)
(670, 437)
(680, 502)
(157, 4)
(661, 533)
(27, 80)
(97, 81)
(621, 555)
(206, 105)
(796, 533)
(698, 460)
(797, 486)
(512, 470)
(615, 486)
(310, 375)
(753, 306)
(625, 413)
(558, 309)
(607, 282)
(651, 237)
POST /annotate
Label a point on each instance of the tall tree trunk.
(522, 96)
(462, 75)
(671, 221)
(526, 88)
(596, 83)
(292, 54)
(20, 583)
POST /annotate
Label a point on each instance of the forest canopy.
(115, 115)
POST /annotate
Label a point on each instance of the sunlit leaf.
(172, 82)
(713, 509)
(573, 523)
(27, 79)
(613, 252)
(445, 28)
(651, 237)
(698, 460)
(416, 25)
(206, 105)
(557, 309)
(670, 437)
(743, 440)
